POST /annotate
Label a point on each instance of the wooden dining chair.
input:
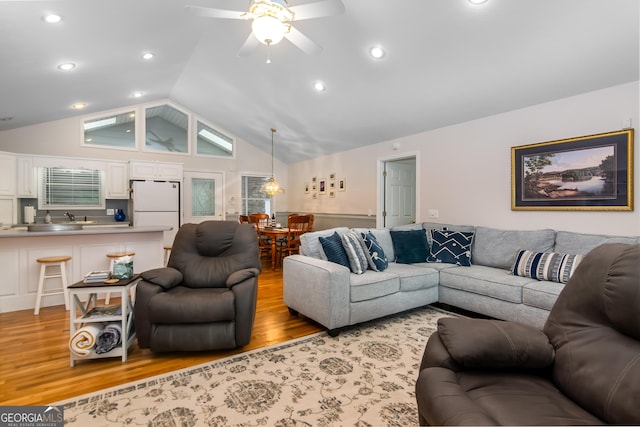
(260, 221)
(298, 225)
(243, 219)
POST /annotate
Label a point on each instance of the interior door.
(203, 197)
(399, 192)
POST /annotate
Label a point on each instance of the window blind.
(253, 201)
(63, 187)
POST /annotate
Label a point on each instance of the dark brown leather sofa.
(206, 296)
(582, 368)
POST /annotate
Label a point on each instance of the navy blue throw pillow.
(451, 247)
(333, 249)
(410, 246)
(377, 259)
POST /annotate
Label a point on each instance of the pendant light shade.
(272, 187)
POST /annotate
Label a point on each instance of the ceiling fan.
(271, 21)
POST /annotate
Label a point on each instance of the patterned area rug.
(365, 376)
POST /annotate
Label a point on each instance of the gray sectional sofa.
(334, 296)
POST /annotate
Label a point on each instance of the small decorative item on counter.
(119, 215)
(123, 268)
(47, 218)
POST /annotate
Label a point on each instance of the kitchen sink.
(55, 227)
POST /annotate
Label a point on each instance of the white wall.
(63, 138)
(464, 170)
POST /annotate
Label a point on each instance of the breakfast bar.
(87, 247)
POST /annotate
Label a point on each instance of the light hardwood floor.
(34, 353)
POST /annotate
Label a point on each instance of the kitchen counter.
(21, 231)
(88, 249)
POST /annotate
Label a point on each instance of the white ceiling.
(447, 62)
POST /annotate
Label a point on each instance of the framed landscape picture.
(584, 173)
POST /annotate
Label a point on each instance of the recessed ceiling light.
(67, 66)
(477, 1)
(377, 52)
(52, 18)
(137, 94)
(319, 86)
(78, 105)
(147, 56)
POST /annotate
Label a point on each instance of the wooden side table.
(84, 313)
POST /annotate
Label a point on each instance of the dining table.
(274, 233)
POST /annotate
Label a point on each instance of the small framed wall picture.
(332, 176)
(332, 193)
(332, 184)
(322, 186)
(342, 184)
(314, 179)
(314, 195)
(306, 188)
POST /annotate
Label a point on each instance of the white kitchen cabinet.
(117, 180)
(159, 171)
(7, 175)
(26, 178)
(8, 211)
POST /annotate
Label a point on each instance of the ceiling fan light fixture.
(268, 29)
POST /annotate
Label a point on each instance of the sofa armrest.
(488, 344)
(241, 275)
(165, 277)
(317, 289)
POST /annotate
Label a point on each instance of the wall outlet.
(433, 213)
(110, 212)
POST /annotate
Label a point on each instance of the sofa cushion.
(410, 246)
(488, 281)
(497, 248)
(376, 256)
(371, 285)
(415, 276)
(333, 249)
(310, 243)
(354, 248)
(577, 243)
(541, 294)
(450, 247)
(545, 265)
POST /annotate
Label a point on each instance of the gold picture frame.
(593, 172)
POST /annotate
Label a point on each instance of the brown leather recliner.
(205, 298)
(582, 368)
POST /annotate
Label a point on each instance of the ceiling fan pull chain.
(268, 52)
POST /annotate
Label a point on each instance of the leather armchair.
(582, 368)
(206, 296)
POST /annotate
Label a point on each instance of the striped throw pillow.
(354, 248)
(545, 265)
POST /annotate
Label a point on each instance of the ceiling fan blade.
(208, 12)
(317, 9)
(249, 45)
(303, 42)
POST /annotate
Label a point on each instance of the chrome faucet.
(71, 216)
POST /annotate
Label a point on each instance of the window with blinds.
(253, 201)
(65, 188)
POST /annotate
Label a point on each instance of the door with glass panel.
(203, 197)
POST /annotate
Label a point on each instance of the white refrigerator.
(157, 203)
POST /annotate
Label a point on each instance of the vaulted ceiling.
(446, 62)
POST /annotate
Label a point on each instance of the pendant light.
(272, 187)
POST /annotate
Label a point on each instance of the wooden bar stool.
(167, 253)
(112, 258)
(45, 264)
